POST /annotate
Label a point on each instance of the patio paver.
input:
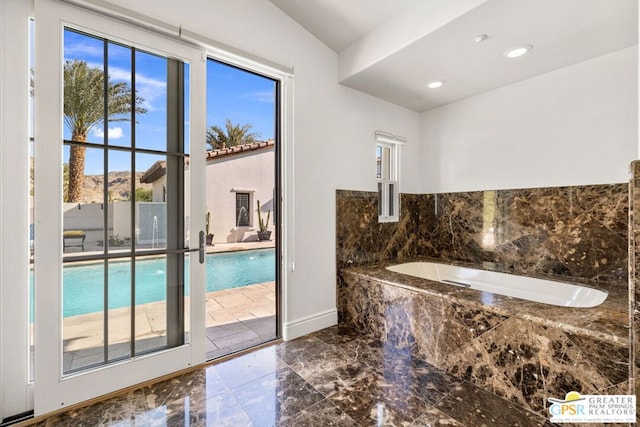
(236, 319)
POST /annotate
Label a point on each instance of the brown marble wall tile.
(529, 363)
(634, 282)
(609, 359)
(429, 327)
(361, 239)
(577, 232)
(442, 327)
(363, 306)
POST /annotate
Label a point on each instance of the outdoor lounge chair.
(73, 235)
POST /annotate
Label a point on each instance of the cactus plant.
(263, 233)
(264, 225)
(207, 225)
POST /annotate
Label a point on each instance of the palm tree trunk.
(76, 169)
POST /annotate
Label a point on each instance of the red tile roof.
(159, 168)
(237, 149)
(155, 172)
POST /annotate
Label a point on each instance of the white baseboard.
(306, 325)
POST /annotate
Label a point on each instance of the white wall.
(253, 171)
(14, 216)
(158, 189)
(120, 219)
(413, 22)
(576, 125)
(333, 135)
(89, 219)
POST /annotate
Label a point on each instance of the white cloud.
(88, 47)
(83, 50)
(264, 96)
(114, 133)
(119, 74)
(149, 88)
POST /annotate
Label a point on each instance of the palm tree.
(231, 136)
(84, 109)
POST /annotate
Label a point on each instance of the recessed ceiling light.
(435, 84)
(518, 51)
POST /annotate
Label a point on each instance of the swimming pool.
(83, 285)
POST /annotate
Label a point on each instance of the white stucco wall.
(251, 172)
(158, 189)
(576, 125)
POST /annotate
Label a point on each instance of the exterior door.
(119, 281)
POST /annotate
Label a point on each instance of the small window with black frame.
(243, 219)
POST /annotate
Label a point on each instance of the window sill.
(388, 219)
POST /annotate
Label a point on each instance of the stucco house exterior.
(237, 178)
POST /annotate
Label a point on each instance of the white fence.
(150, 223)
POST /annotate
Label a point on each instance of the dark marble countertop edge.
(596, 322)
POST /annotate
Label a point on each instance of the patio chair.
(73, 235)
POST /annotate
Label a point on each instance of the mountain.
(118, 186)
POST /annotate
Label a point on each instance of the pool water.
(83, 285)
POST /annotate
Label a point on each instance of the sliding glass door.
(119, 286)
(123, 267)
(243, 147)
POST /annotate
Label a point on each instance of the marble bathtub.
(526, 288)
(522, 350)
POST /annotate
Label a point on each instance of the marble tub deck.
(334, 377)
(609, 321)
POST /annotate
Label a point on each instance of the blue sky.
(243, 97)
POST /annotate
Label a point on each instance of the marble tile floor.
(334, 377)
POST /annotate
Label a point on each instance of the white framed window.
(245, 198)
(243, 209)
(387, 174)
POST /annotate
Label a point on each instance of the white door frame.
(15, 391)
(286, 225)
(53, 390)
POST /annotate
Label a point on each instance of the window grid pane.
(242, 210)
(386, 163)
(123, 296)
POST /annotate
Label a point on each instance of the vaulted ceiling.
(392, 48)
